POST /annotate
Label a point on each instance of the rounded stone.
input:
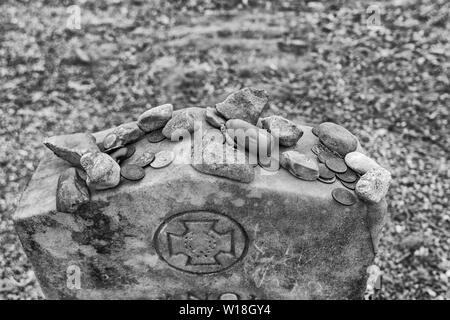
(109, 141)
(155, 118)
(286, 131)
(101, 170)
(162, 159)
(343, 196)
(373, 185)
(132, 172)
(360, 162)
(300, 165)
(337, 138)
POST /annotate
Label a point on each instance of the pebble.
(250, 137)
(336, 164)
(337, 138)
(101, 170)
(286, 131)
(360, 162)
(222, 160)
(245, 104)
(184, 121)
(343, 196)
(213, 118)
(162, 159)
(373, 185)
(300, 165)
(132, 172)
(73, 148)
(155, 118)
(145, 159)
(123, 135)
(155, 136)
(71, 192)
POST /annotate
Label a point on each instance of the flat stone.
(359, 162)
(213, 118)
(122, 135)
(337, 138)
(155, 118)
(223, 160)
(245, 104)
(300, 165)
(71, 192)
(286, 131)
(102, 171)
(184, 121)
(373, 185)
(72, 149)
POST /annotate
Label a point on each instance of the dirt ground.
(382, 72)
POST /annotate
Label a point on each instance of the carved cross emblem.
(200, 242)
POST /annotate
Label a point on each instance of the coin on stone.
(343, 196)
(155, 136)
(132, 172)
(162, 159)
(348, 176)
(325, 173)
(336, 164)
(145, 159)
(130, 151)
(109, 140)
(329, 181)
(351, 185)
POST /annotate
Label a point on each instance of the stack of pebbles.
(336, 156)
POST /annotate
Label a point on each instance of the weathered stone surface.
(114, 248)
(184, 120)
(286, 131)
(72, 149)
(223, 160)
(155, 118)
(71, 192)
(102, 171)
(250, 137)
(373, 185)
(337, 138)
(359, 162)
(245, 104)
(122, 135)
(213, 118)
(300, 165)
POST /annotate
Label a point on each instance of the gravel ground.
(320, 61)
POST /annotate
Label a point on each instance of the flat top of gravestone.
(40, 195)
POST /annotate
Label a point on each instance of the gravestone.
(179, 233)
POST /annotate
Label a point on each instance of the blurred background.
(381, 69)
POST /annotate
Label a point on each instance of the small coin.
(325, 173)
(145, 159)
(109, 140)
(343, 196)
(155, 136)
(130, 151)
(162, 159)
(336, 164)
(351, 185)
(132, 172)
(329, 181)
(348, 176)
